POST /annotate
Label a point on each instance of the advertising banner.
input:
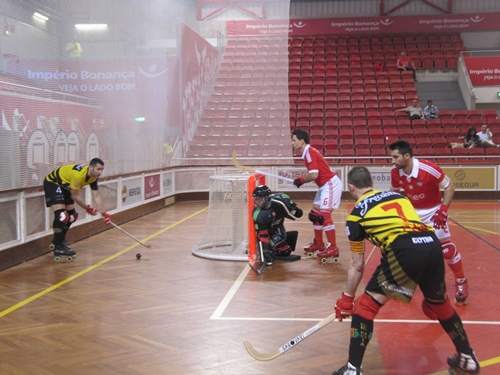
(472, 178)
(152, 186)
(131, 191)
(483, 71)
(167, 183)
(366, 25)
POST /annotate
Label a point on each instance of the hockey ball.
(138, 256)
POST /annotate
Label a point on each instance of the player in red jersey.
(421, 181)
(327, 198)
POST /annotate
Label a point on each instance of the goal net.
(229, 233)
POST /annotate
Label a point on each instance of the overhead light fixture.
(40, 16)
(91, 26)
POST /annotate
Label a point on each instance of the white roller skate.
(463, 364)
(348, 369)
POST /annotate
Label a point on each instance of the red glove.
(263, 236)
(344, 307)
(107, 218)
(91, 210)
(440, 217)
(299, 181)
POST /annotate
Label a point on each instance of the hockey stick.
(128, 234)
(290, 344)
(258, 271)
(245, 168)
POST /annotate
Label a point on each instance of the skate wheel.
(324, 260)
(57, 259)
(52, 246)
(69, 258)
(310, 254)
(335, 260)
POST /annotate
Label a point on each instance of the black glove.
(299, 181)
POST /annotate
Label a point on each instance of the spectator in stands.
(486, 137)
(415, 111)
(470, 140)
(405, 63)
(431, 111)
(73, 48)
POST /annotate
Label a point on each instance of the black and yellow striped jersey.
(380, 217)
(73, 176)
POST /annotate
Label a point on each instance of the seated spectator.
(405, 63)
(431, 111)
(415, 111)
(486, 137)
(470, 140)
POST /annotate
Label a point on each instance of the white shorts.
(328, 195)
(426, 214)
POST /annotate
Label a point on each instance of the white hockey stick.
(290, 344)
(237, 164)
(128, 234)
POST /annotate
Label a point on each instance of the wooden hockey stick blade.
(258, 271)
(128, 234)
(290, 344)
(237, 164)
(245, 168)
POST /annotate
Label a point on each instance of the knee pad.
(366, 307)
(327, 223)
(438, 311)
(73, 215)
(313, 216)
(61, 217)
(450, 253)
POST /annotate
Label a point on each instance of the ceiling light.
(91, 26)
(40, 16)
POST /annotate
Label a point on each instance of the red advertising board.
(366, 25)
(152, 186)
(483, 71)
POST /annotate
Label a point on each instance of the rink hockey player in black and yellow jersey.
(411, 257)
(62, 189)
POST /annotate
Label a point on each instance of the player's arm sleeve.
(356, 235)
(94, 186)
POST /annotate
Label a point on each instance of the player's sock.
(455, 329)
(361, 334)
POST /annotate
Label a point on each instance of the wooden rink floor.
(173, 313)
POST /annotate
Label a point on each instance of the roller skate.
(348, 370)
(313, 248)
(63, 251)
(329, 252)
(461, 292)
(463, 364)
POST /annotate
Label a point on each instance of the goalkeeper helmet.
(260, 196)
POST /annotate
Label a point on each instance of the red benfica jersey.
(316, 163)
(422, 185)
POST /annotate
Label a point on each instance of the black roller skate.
(63, 251)
(463, 364)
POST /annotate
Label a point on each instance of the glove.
(299, 181)
(263, 236)
(298, 213)
(440, 217)
(107, 218)
(344, 306)
(91, 210)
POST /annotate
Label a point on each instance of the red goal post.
(253, 181)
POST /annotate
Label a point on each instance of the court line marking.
(88, 269)
(230, 294)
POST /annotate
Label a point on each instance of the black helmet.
(261, 191)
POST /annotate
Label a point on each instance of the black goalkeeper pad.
(289, 258)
